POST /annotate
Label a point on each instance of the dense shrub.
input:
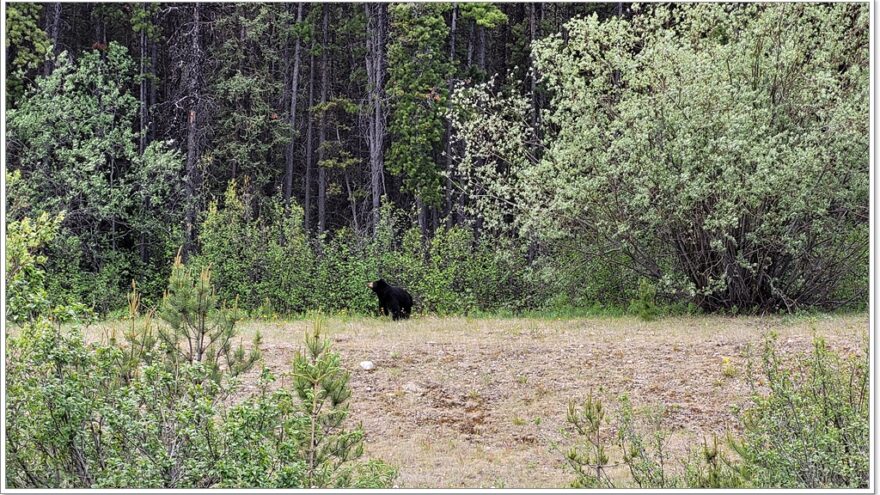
(269, 262)
(812, 429)
(719, 150)
(257, 256)
(25, 278)
(29, 291)
(645, 304)
(807, 427)
(73, 140)
(157, 410)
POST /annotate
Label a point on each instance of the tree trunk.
(448, 153)
(294, 83)
(53, 29)
(470, 47)
(481, 64)
(142, 141)
(142, 135)
(352, 203)
(533, 83)
(309, 155)
(193, 150)
(154, 63)
(322, 128)
(481, 43)
(376, 14)
(423, 222)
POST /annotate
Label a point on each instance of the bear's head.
(378, 285)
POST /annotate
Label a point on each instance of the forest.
(188, 186)
(302, 150)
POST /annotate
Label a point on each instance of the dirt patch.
(463, 402)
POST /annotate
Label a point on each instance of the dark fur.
(393, 300)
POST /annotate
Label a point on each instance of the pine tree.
(322, 386)
(202, 328)
(417, 69)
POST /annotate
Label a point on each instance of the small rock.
(413, 388)
(367, 365)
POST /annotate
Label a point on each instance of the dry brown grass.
(458, 402)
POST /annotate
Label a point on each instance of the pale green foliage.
(495, 132)
(26, 294)
(812, 429)
(73, 140)
(25, 291)
(26, 46)
(723, 149)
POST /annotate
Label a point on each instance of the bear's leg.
(394, 308)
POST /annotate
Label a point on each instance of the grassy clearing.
(479, 402)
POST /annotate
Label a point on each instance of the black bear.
(393, 300)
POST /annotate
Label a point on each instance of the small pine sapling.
(322, 386)
(202, 329)
(588, 459)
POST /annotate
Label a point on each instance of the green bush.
(26, 291)
(807, 427)
(344, 267)
(662, 164)
(74, 141)
(269, 262)
(812, 429)
(258, 257)
(157, 410)
(645, 305)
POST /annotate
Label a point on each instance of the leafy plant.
(656, 153)
(807, 427)
(73, 140)
(148, 413)
(811, 430)
(645, 305)
(26, 44)
(25, 278)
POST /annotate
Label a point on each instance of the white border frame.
(871, 331)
